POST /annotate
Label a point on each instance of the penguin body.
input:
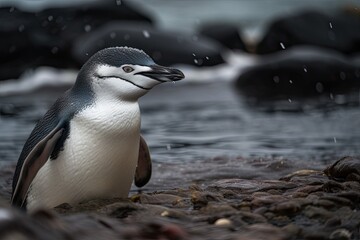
(88, 145)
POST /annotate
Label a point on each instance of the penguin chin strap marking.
(144, 88)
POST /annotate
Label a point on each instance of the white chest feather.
(99, 157)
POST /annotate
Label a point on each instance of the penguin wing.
(143, 169)
(37, 157)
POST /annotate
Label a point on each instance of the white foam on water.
(235, 63)
(39, 78)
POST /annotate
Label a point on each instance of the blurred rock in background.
(165, 47)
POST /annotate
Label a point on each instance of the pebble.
(223, 222)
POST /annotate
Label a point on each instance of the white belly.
(98, 161)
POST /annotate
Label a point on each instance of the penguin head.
(126, 73)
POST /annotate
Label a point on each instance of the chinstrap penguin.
(88, 144)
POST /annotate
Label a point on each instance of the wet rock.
(317, 212)
(45, 37)
(286, 208)
(201, 199)
(226, 34)
(267, 200)
(340, 234)
(333, 222)
(345, 169)
(184, 49)
(218, 209)
(262, 231)
(312, 28)
(300, 73)
(164, 199)
(16, 225)
(248, 218)
(120, 209)
(300, 173)
(291, 229)
(245, 185)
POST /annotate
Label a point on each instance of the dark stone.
(17, 225)
(313, 28)
(166, 48)
(300, 73)
(347, 168)
(226, 34)
(45, 37)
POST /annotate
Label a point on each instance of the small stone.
(164, 214)
(160, 199)
(318, 213)
(223, 222)
(286, 208)
(262, 231)
(341, 234)
(267, 200)
(291, 229)
(333, 222)
(171, 213)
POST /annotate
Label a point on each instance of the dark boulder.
(45, 37)
(300, 72)
(166, 48)
(226, 34)
(345, 169)
(340, 32)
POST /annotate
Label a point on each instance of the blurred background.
(271, 86)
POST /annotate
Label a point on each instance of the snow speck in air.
(331, 96)
(50, 18)
(146, 34)
(342, 75)
(289, 100)
(87, 28)
(282, 45)
(21, 28)
(290, 81)
(330, 25)
(54, 50)
(335, 140)
(168, 147)
(305, 69)
(276, 79)
(319, 87)
(196, 61)
(112, 35)
(11, 9)
(207, 58)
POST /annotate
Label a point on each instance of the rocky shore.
(307, 204)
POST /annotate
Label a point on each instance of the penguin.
(88, 144)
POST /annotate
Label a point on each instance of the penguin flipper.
(32, 164)
(143, 169)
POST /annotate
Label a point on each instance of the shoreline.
(306, 204)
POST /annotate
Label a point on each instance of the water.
(198, 132)
(251, 16)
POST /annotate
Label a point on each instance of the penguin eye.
(127, 69)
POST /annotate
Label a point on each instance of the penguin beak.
(163, 74)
